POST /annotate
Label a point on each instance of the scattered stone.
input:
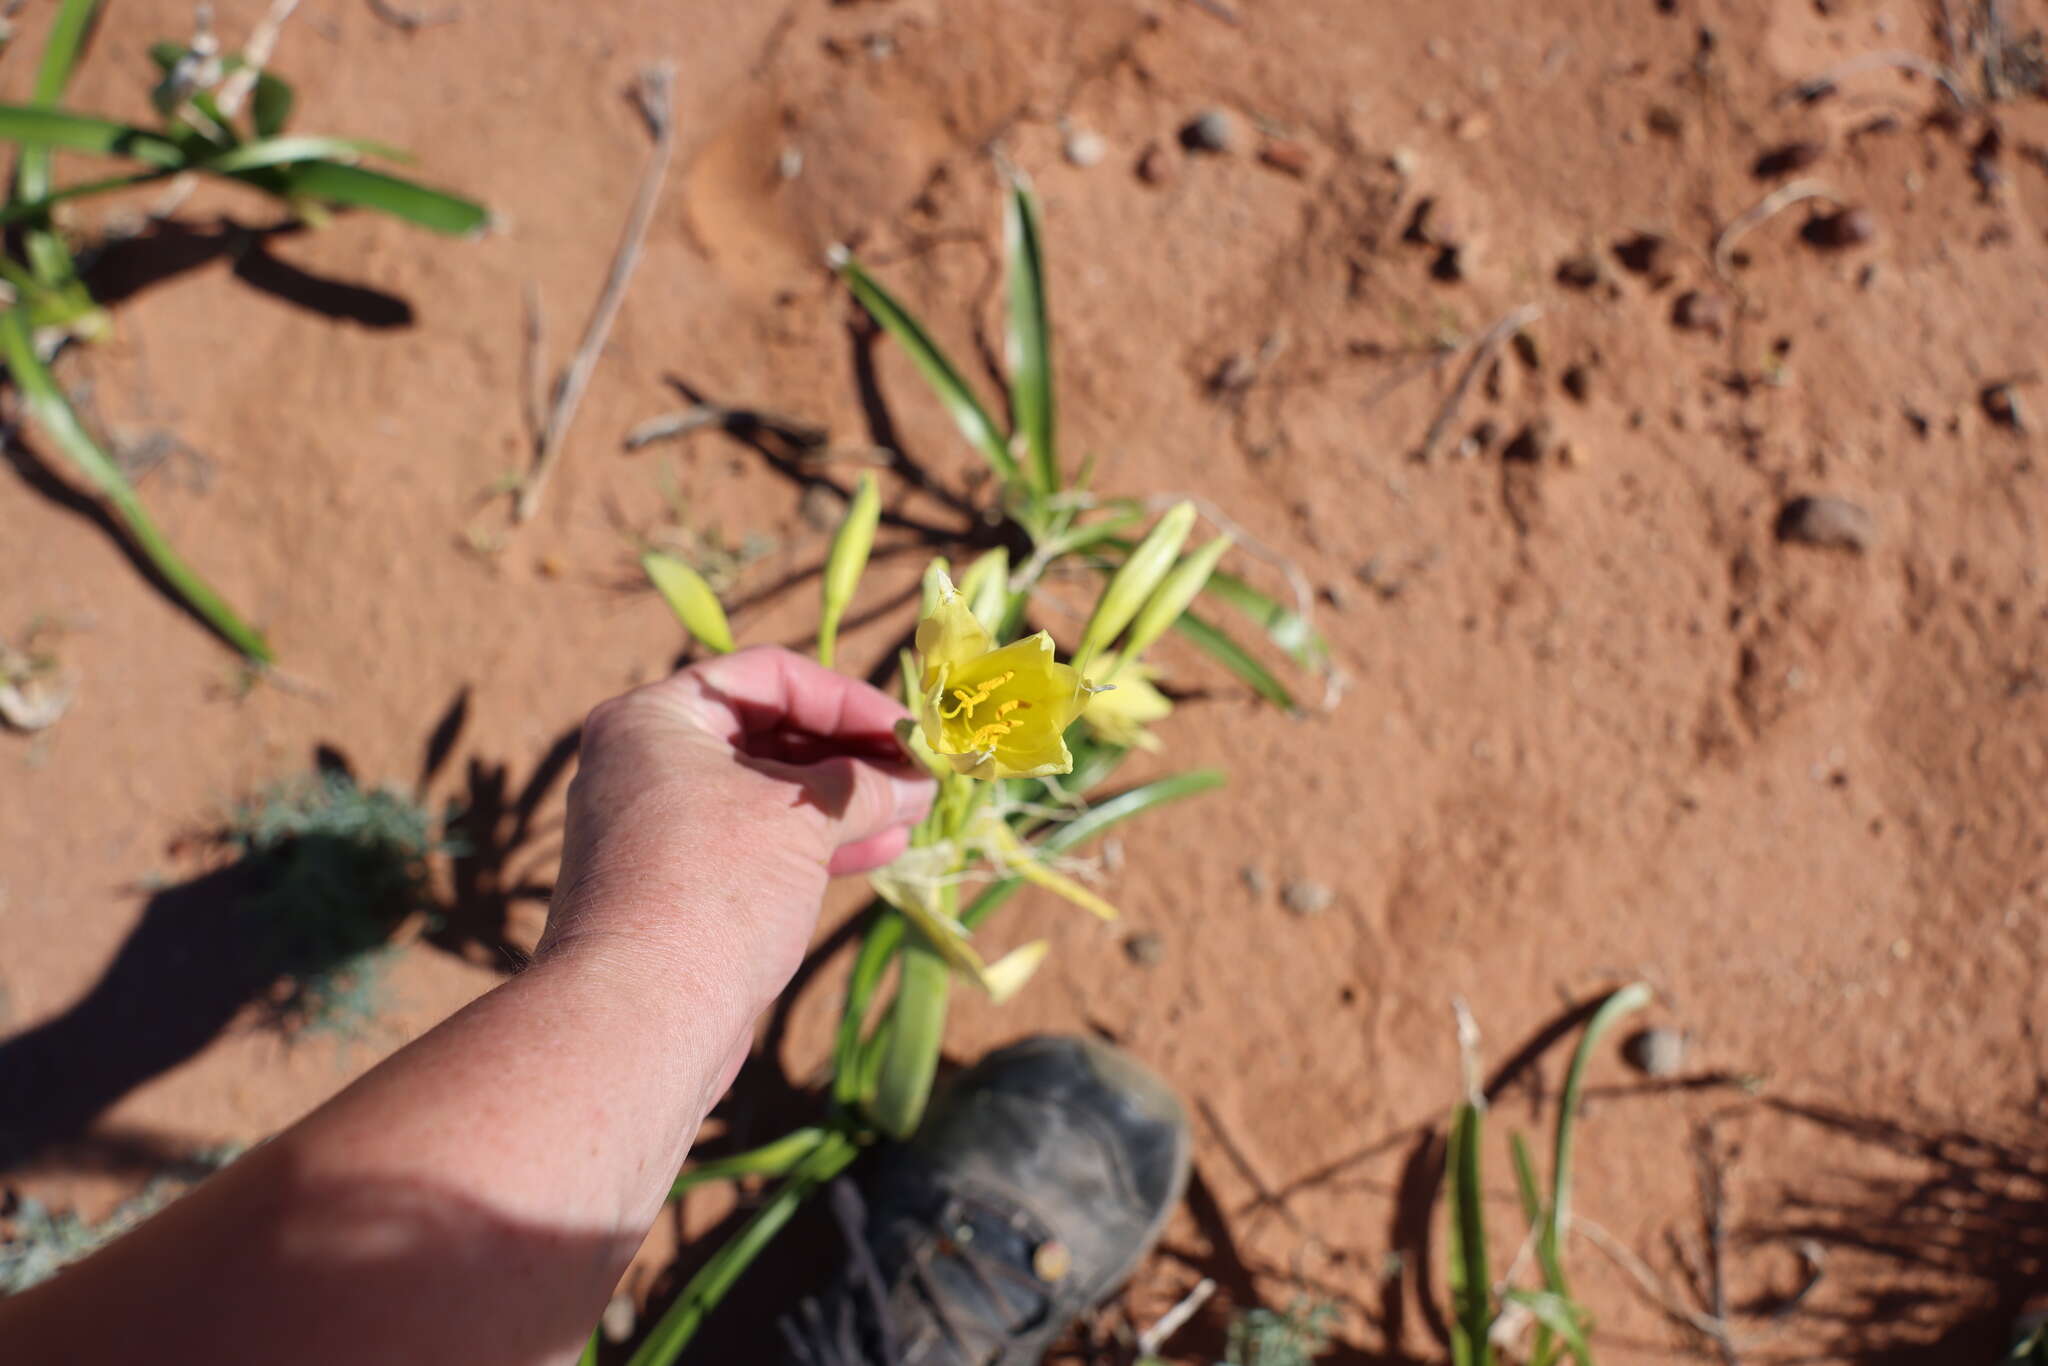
(1644, 254)
(1844, 228)
(1573, 455)
(1471, 127)
(620, 1318)
(1449, 266)
(1664, 121)
(1789, 159)
(820, 507)
(1433, 225)
(790, 164)
(1699, 311)
(1254, 879)
(1146, 949)
(1530, 443)
(1212, 130)
(1578, 272)
(1403, 162)
(1526, 349)
(1306, 898)
(1655, 1052)
(1155, 167)
(1084, 148)
(2001, 403)
(1831, 523)
(1578, 382)
(1289, 158)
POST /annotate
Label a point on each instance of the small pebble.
(1403, 162)
(1155, 167)
(820, 507)
(1254, 879)
(1212, 130)
(1787, 160)
(1831, 523)
(1146, 949)
(1471, 127)
(1289, 158)
(1306, 898)
(2001, 403)
(1655, 1052)
(1698, 311)
(1644, 254)
(1578, 383)
(620, 1318)
(1085, 148)
(1847, 228)
(1578, 272)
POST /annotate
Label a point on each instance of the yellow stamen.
(969, 700)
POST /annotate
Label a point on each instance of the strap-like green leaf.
(938, 371)
(1283, 625)
(53, 414)
(1029, 342)
(37, 128)
(437, 210)
(1471, 1276)
(1235, 658)
(770, 1159)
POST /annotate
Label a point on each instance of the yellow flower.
(993, 713)
(1119, 713)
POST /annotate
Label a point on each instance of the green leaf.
(63, 47)
(251, 156)
(770, 1159)
(1471, 1275)
(1093, 822)
(938, 371)
(434, 209)
(672, 1333)
(1557, 1217)
(270, 105)
(1558, 1315)
(1235, 658)
(877, 947)
(1285, 627)
(41, 129)
(590, 1348)
(910, 1048)
(1525, 1180)
(48, 258)
(1029, 342)
(52, 412)
(33, 210)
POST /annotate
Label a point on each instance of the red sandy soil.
(1600, 723)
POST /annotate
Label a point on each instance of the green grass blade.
(1624, 1002)
(770, 1159)
(252, 156)
(938, 371)
(40, 130)
(433, 209)
(1526, 1185)
(270, 105)
(916, 1029)
(1029, 341)
(34, 210)
(679, 1324)
(1093, 822)
(1554, 1314)
(62, 48)
(53, 413)
(590, 1348)
(1471, 1276)
(1235, 658)
(877, 947)
(1284, 626)
(48, 258)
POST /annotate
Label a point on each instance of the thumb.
(862, 798)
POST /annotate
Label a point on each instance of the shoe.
(1038, 1181)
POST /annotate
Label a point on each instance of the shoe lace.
(832, 1335)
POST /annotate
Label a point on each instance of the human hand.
(710, 809)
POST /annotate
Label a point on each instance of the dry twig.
(1481, 354)
(655, 95)
(1777, 201)
(256, 55)
(1813, 87)
(1174, 1319)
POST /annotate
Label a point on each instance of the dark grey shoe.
(1039, 1179)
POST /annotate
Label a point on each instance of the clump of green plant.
(1024, 744)
(1479, 1304)
(1295, 1336)
(202, 132)
(39, 1242)
(340, 866)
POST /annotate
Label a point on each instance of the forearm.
(473, 1199)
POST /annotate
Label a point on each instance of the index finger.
(767, 688)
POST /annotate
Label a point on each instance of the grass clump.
(1294, 1336)
(341, 865)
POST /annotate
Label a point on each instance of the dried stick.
(1174, 1319)
(1481, 354)
(656, 106)
(256, 54)
(1650, 1284)
(1777, 201)
(1813, 87)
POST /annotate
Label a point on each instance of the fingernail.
(913, 797)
